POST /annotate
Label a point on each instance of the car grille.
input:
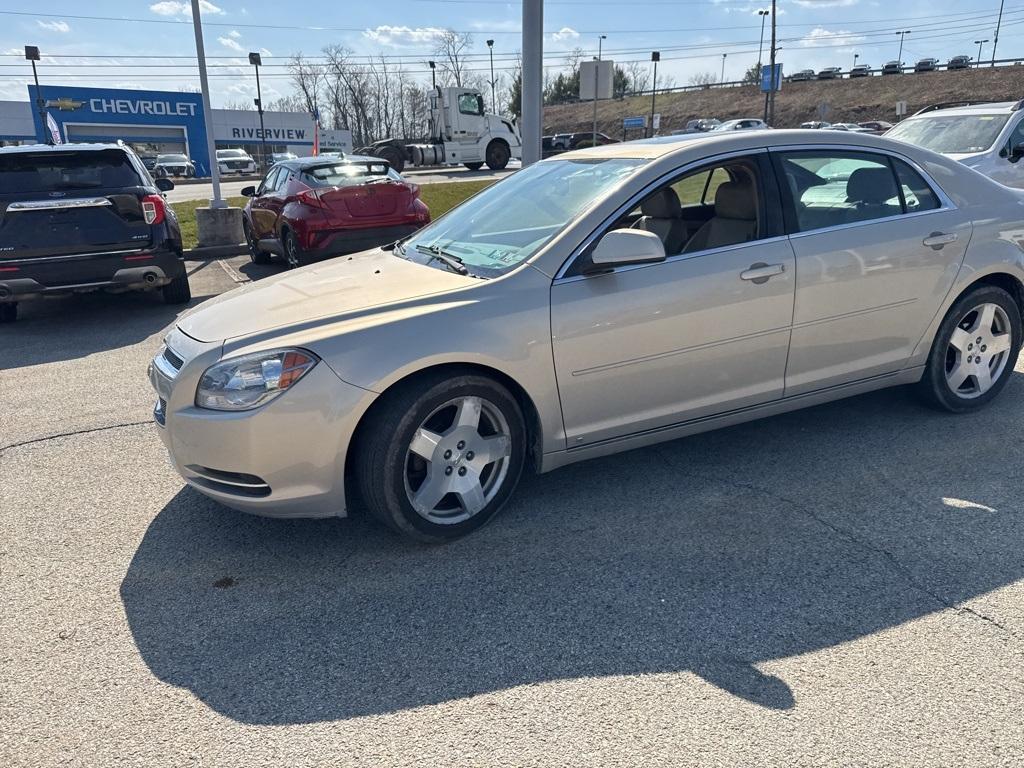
(234, 483)
(237, 164)
(175, 361)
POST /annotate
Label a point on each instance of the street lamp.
(980, 43)
(764, 13)
(597, 79)
(722, 78)
(32, 54)
(655, 57)
(899, 59)
(256, 61)
(490, 48)
(433, 79)
(855, 57)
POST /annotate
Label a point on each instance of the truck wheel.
(394, 156)
(498, 155)
(177, 291)
(8, 312)
(474, 166)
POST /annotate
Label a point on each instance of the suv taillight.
(153, 209)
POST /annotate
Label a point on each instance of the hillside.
(869, 98)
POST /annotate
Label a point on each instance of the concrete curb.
(215, 252)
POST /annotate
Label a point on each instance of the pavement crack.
(73, 433)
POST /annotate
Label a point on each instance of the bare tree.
(703, 78)
(308, 79)
(638, 73)
(451, 50)
(244, 105)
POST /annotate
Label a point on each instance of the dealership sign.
(142, 107)
(280, 134)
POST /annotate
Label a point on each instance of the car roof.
(989, 108)
(60, 148)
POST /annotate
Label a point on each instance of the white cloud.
(825, 3)
(565, 33)
(399, 36)
(54, 26)
(819, 37)
(235, 34)
(230, 42)
(179, 8)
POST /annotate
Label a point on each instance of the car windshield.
(348, 174)
(172, 159)
(508, 222)
(231, 153)
(951, 134)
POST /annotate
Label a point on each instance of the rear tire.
(474, 166)
(454, 482)
(292, 253)
(177, 291)
(258, 255)
(498, 155)
(963, 374)
(8, 312)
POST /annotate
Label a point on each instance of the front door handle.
(938, 239)
(761, 272)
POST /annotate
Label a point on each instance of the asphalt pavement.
(232, 187)
(838, 586)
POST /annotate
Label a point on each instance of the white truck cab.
(986, 137)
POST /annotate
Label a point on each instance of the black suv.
(84, 217)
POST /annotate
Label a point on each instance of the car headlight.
(243, 383)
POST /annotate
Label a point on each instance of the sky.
(150, 45)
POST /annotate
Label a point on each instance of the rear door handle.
(938, 239)
(761, 272)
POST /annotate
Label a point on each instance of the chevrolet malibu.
(601, 300)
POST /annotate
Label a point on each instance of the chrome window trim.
(598, 232)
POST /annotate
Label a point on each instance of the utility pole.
(32, 54)
(211, 145)
(770, 116)
(999, 24)
(979, 43)
(763, 13)
(655, 57)
(256, 61)
(899, 59)
(532, 86)
(433, 77)
(597, 81)
(855, 57)
(490, 48)
(722, 78)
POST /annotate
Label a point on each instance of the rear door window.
(917, 195)
(31, 173)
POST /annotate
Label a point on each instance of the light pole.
(764, 13)
(722, 78)
(532, 106)
(597, 80)
(855, 57)
(655, 57)
(211, 144)
(899, 59)
(256, 61)
(32, 54)
(980, 43)
(770, 103)
(490, 48)
(999, 24)
(433, 77)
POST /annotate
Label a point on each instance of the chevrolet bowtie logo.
(64, 104)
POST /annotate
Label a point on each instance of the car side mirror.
(1016, 152)
(622, 247)
(248, 191)
(164, 184)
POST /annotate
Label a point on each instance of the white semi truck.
(461, 133)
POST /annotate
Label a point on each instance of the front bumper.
(284, 459)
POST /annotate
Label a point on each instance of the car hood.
(368, 281)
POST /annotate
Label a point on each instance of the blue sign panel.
(766, 84)
(103, 114)
(635, 122)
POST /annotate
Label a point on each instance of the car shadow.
(713, 555)
(70, 327)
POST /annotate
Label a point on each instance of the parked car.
(148, 162)
(560, 140)
(280, 157)
(986, 137)
(313, 208)
(76, 218)
(850, 127)
(699, 125)
(584, 139)
(959, 62)
(892, 68)
(743, 124)
(815, 125)
(830, 73)
(877, 127)
(591, 303)
(926, 65)
(803, 74)
(861, 70)
(236, 161)
(173, 165)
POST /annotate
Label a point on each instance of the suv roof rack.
(1017, 105)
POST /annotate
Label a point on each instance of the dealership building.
(158, 122)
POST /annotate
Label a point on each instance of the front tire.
(974, 351)
(441, 455)
(498, 155)
(178, 290)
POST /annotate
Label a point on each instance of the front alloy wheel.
(978, 351)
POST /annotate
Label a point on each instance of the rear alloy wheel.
(974, 351)
(498, 155)
(292, 253)
(8, 312)
(257, 255)
(443, 456)
(177, 291)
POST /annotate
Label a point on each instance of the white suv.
(235, 161)
(986, 137)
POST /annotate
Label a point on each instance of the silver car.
(598, 301)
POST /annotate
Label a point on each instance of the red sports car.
(317, 207)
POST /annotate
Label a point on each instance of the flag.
(53, 128)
